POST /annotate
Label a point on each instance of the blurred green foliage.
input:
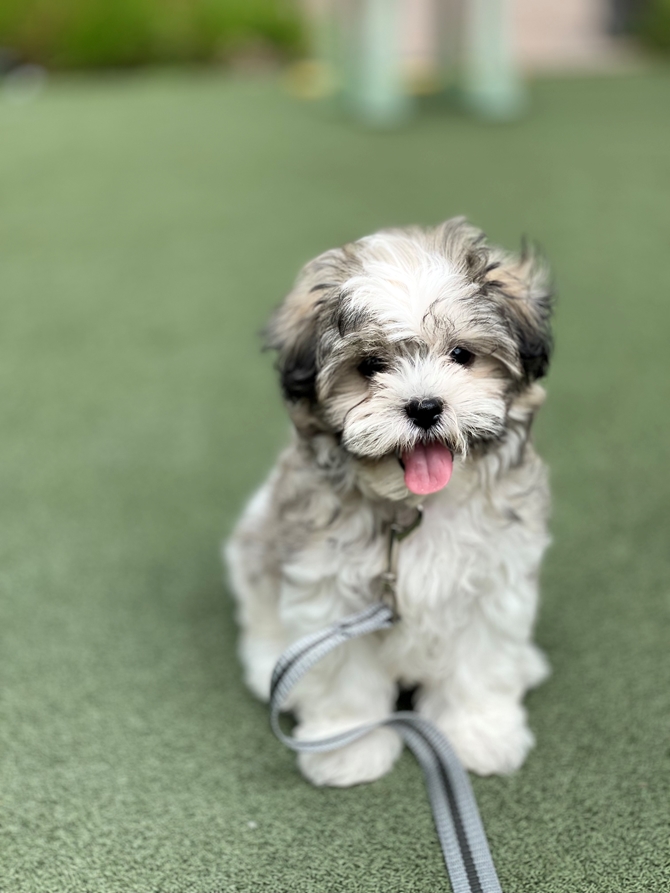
(655, 25)
(101, 33)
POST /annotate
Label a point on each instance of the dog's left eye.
(370, 365)
(462, 356)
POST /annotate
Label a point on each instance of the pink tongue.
(427, 468)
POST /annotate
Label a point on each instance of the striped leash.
(457, 821)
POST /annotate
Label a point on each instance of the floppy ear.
(521, 284)
(292, 332)
(294, 329)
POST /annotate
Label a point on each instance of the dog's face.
(409, 348)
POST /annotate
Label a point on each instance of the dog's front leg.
(478, 705)
(347, 688)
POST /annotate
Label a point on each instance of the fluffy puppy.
(404, 357)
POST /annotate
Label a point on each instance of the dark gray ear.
(518, 283)
(522, 286)
(296, 326)
(297, 370)
(293, 331)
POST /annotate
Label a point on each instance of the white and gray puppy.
(408, 361)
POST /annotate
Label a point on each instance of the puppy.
(408, 361)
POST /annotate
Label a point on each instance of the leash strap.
(457, 821)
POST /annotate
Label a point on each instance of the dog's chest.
(458, 556)
(446, 555)
(453, 561)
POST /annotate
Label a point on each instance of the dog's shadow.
(406, 698)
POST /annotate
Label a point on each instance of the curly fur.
(310, 547)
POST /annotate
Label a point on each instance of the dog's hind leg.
(255, 586)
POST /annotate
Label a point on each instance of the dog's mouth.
(427, 467)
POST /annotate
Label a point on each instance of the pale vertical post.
(333, 40)
(449, 27)
(324, 33)
(378, 92)
(492, 86)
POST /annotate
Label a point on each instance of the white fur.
(467, 595)
(310, 547)
(402, 283)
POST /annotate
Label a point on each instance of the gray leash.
(457, 821)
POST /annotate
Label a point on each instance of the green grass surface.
(147, 226)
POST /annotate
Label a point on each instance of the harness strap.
(457, 821)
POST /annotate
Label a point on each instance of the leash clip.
(397, 533)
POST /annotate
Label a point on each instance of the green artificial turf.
(147, 226)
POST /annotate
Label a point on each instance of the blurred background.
(361, 46)
(103, 33)
(166, 166)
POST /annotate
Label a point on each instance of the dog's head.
(409, 347)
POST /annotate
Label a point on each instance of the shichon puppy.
(408, 361)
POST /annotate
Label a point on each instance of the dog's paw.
(363, 760)
(489, 741)
(259, 657)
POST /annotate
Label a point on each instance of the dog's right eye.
(370, 366)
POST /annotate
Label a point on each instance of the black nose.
(425, 413)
